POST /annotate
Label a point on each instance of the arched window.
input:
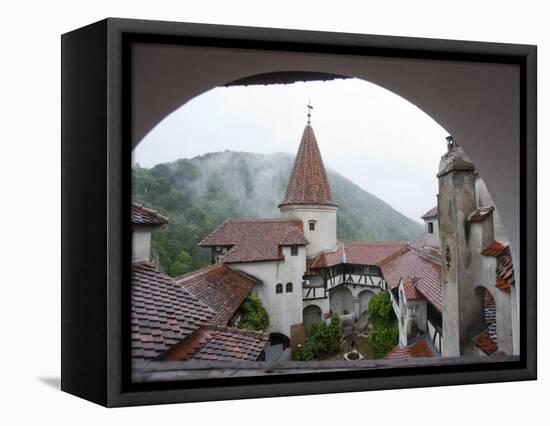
(278, 288)
(289, 287)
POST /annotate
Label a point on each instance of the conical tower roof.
(308, 183)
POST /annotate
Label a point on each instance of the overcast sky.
(375, 138)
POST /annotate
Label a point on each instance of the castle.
(452, 288)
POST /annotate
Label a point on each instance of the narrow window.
(312, 225)
(430, 227)
(294, 250)
(279, 288)
(289, 287)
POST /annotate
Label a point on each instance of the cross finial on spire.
(310, 107)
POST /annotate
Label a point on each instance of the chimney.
(144, 222)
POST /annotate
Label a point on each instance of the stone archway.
(312, 315)
(458, 95)
(341, 301)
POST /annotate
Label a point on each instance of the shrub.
(253, 315)
(384, 333)
(383, 339)
(322, 340)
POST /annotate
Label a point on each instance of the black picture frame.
(96, 202)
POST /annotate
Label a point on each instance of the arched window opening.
(278, 288)
(289, 287)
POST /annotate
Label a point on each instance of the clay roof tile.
(308, 183)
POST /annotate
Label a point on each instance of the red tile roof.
(409, 287)
(485, 343)
(221, 288)
(410, 264)
(505, 267)
(217, 343)
(494, 248)
(419, 349)
(358, 253)
(308, 183)
(480, 214)
(163, 313)
(143, 216)
(254, 240)
(169, 321)
(430, 213)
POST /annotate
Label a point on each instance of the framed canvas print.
(252, 212)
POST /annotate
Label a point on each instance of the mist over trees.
(198, 194)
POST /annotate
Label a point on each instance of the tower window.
(279, 288)
(289, 287)
(312, 225)
(430, 227)
(294, 250)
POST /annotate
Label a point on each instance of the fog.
(375, 138)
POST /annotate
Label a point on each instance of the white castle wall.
(285, 309)
(432, 239)
(323, 238)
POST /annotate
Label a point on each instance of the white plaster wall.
(284, 309)
(323, 238)
(409, 310)
(484, 199)
(432, 239)
(141, 244)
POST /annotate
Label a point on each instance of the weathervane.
(310, 107)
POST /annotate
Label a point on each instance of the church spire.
(308, 183)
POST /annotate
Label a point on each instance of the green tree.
(182, 264)
(380, 309)
(253, 315)
(384, 333)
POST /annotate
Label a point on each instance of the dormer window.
(430, 227)
(312, 225)
(294, 250)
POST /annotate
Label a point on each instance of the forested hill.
(200, 193)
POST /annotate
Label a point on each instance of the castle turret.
(308, 197)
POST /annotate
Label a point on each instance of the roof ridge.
(241, 331)
(149, 210)
(394, 255)
(200, 271)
